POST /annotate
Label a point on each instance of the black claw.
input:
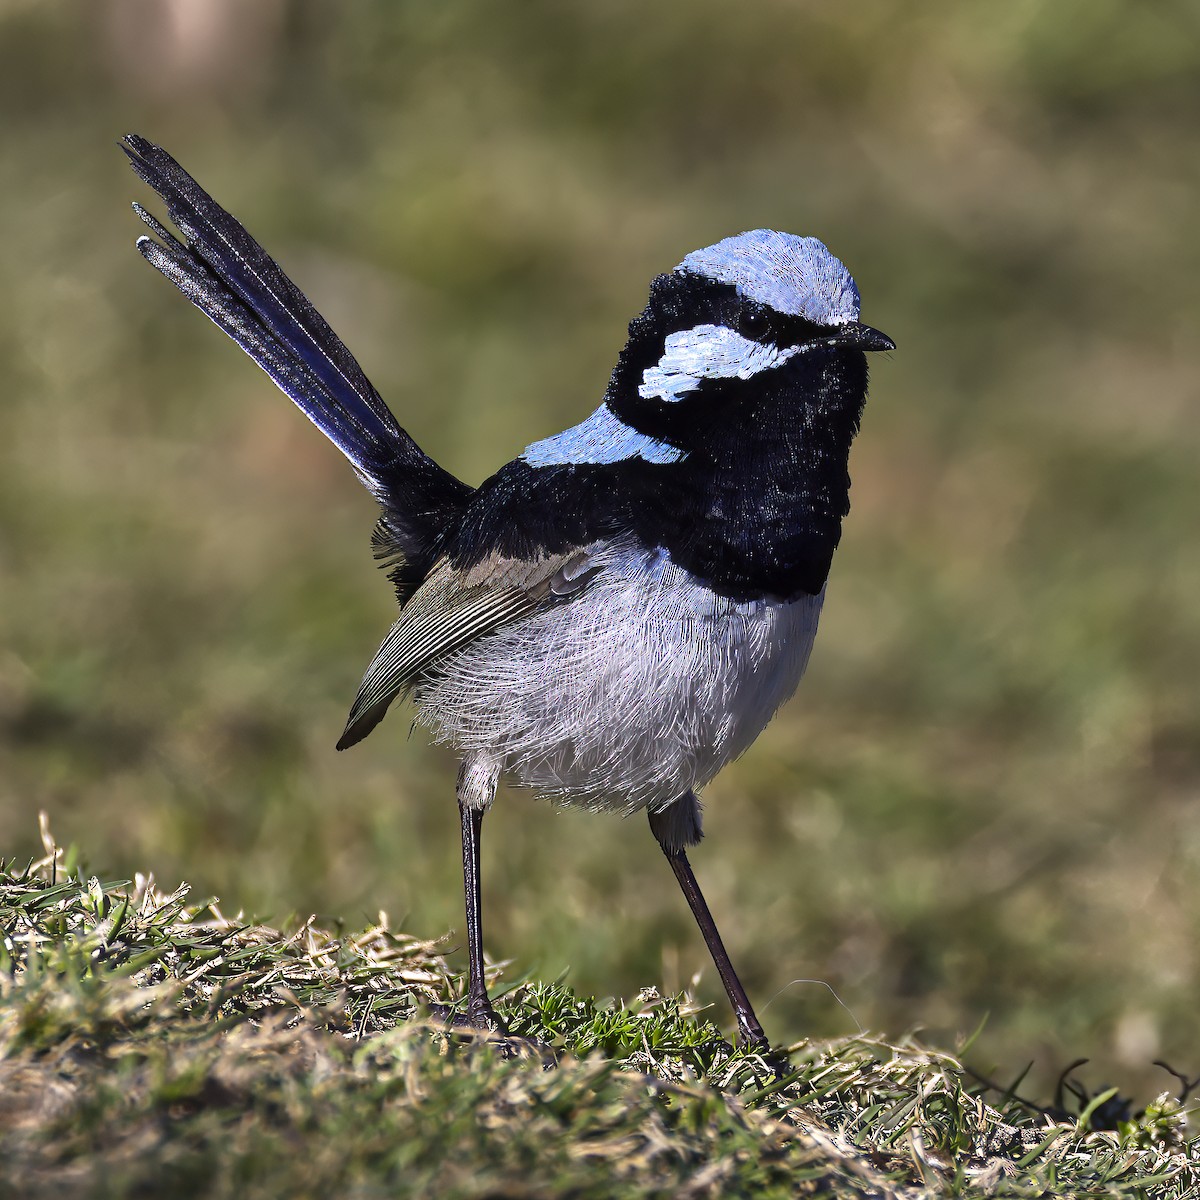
(481, 1017)
(752, 1044)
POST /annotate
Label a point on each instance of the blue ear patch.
(707, 352)
(793, 275)
(602, 438)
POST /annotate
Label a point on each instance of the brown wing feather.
(452, 608)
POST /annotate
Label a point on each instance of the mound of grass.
(150, 1045)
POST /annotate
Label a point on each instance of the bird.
(618, 612)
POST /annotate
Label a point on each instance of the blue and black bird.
(618, 612)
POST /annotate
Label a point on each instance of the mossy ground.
(150, 1045)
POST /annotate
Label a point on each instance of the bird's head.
(762, 316)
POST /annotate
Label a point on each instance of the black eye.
(755, 324)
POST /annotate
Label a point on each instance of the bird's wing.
(453, 607)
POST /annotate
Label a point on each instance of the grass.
(151, 1045)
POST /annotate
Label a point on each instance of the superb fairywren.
(618, 612)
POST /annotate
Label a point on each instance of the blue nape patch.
(793, 275)
(602, 438)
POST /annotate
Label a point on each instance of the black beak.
(861, 337)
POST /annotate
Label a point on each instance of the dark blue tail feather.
(222, 270)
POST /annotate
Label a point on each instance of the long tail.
(226, 274)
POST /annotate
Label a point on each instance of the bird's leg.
(476, 789)
(480, 1013)
(750, 1032)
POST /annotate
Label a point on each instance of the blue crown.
(793, 275)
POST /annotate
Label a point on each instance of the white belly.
(628, 696)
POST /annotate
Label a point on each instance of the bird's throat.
(756, 506)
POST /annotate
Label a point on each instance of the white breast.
(628, 696)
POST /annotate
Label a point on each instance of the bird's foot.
(480, 1018)
(757, 1044)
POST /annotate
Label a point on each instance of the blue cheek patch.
(707, 352)
(602, 438)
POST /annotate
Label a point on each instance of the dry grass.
(149, 1044)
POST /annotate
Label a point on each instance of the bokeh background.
(985, 802)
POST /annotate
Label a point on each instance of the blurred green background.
(985, 800)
